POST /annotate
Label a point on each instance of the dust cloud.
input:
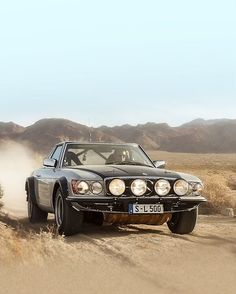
(16, 163)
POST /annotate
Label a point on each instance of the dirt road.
(141, 259)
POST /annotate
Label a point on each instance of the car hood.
(130, 170)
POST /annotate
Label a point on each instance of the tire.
(68, 220)
(35, 214)
(183, 222)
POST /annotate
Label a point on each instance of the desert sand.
(118, 259)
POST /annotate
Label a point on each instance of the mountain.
(204, 122)
(10, 128)
(45, 133)
(198, 136)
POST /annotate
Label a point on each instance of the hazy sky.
(114, 62)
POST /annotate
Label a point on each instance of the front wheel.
(68, 220)
(183, 222)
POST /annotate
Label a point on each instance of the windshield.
(104, 154)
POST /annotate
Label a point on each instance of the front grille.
(150, 186)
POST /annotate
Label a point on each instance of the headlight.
(81, 187)
(197, 189)
(117, 187)
(139, 187)
(181, 187)
(162, 187)
(96, 188)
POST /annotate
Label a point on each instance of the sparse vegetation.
(42, 245)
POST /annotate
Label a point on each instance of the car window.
(137, 156)
(90, 157)
(101, 154)
(56, 154)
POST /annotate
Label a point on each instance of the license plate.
(145, 208)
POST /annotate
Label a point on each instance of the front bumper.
(121, 204)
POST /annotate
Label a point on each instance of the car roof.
(96, 143)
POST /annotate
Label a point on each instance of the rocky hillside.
(198, 136)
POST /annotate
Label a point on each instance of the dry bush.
(31, 247)
(218, 193)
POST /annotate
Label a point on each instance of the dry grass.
(217, 171)
(21, 244)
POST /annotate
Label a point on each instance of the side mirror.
(50, 162)
(159, 163)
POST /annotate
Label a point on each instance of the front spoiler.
(120, 204)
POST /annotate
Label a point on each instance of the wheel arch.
(63, 185)
(30, 189)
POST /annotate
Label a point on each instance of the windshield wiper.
(129, 163)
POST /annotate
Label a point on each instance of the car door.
(46, 179)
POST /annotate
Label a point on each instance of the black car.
(112, 183)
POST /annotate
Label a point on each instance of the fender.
(30, 189)
(63, 185)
